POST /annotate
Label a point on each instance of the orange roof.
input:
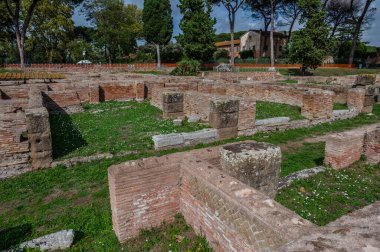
(227, 43)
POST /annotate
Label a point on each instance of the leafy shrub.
(187, 68)
(246, 54)
(221, 54)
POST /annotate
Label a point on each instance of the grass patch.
(340, 106)
(47, 201)
(288, 81)
(3, 70)
(110, 127)
(309, 155)
(329, 195)
(321, 129)
(266, 110)
(329, 71)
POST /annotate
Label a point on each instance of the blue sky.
(244, 21)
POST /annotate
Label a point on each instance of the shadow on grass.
(66, 137)
(13, 236)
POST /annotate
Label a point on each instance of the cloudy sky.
(244, 21)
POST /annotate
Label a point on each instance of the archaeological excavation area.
(219, 162)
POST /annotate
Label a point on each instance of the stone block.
(365, 79)
(37, 120)
(57, 241)
(41, 160)
(173, 107)
(177, 122)
(222, 105)
(169, 140)
(273, 121)
(227, 133)
(94, 92)
(372, 146)
(247, 114)
(40, 142)
(171, 97)
(223, 120)
(193, 119)
(201, 136)
(255, 164)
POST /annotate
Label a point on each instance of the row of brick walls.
(344, 149)
(232, 215)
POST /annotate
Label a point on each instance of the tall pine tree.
(158, 24)
(197, 25)
(310, 45)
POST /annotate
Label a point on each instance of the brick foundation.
(372, 146)
(232, 215)
(317, 105)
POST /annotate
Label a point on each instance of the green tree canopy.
(310, 45)
(158, 24)
(198, 38)
(118, 27)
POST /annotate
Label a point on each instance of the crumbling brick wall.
(355, 99)
(143, 194)
(232, 215)
(372, 146)
(317, 104)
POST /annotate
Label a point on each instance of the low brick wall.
(143, 194)
(344, 149)
(232, 215)
(317, 105)
(62, 102)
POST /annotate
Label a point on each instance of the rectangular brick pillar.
(317, 104)
(94, 92)
(143, 194)
(140, 91)
(172, 105)
(224, 116)
(369, 99)
(372, 146)
(247, 115)
(355, 99)
(39, 137)
(344, 149)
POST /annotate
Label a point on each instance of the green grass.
(121, 126)
(2, 70)
(266, 110)
(329, 195)
(339, 106)
(47, 201)
(309, 155)
(329, 71)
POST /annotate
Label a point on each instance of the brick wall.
(355, 99)
(232, 216)
(62, 101)
(317, 104)
(372, 146)
(344, 149)
(256, 76)
(143, 194)
(121, 92)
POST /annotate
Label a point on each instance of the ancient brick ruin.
(25, 108)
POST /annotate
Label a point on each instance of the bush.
(187, 68)
(246, 54)
(221, 54)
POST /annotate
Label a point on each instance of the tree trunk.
(20, 46)
(354, 44)
(158, 56)
(232, 33)
(291, 29)
(271, 35)
(266, 25)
